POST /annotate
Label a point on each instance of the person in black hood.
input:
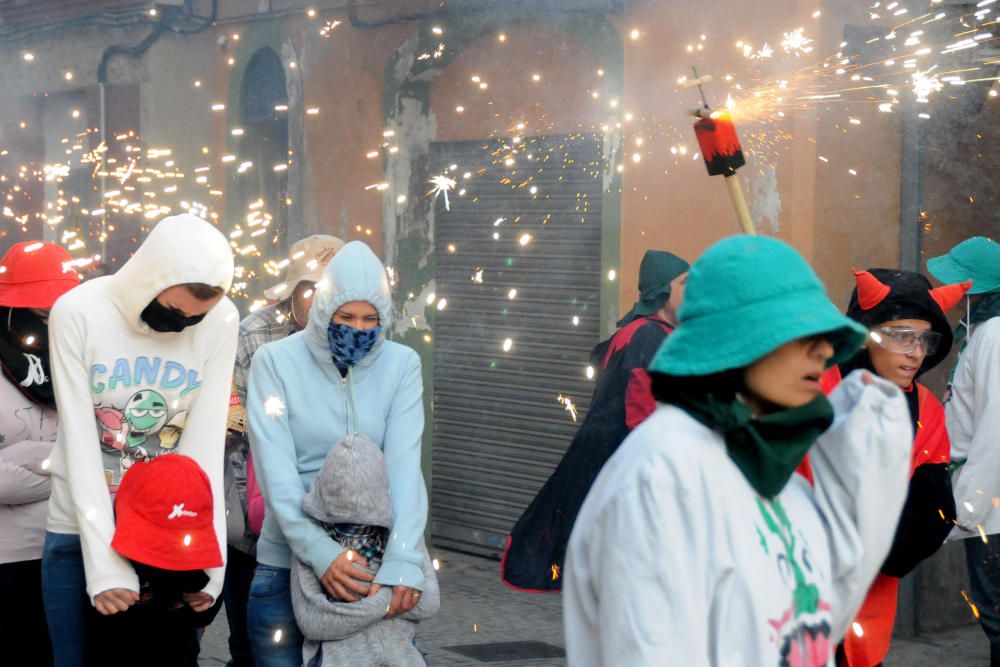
(908, 335)
(622, 399)
(32, 276)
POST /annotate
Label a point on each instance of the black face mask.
(24, 354)
(163, 319)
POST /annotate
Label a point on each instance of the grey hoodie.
(353, 487)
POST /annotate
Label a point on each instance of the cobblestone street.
(479, 612)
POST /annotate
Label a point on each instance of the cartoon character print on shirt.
(802, 633)
(146, 424)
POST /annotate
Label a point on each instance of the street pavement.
(482, 622)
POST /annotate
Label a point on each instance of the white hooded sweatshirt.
(675, 559)
(127, 393)
(973, 421)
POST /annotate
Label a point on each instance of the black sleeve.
(928, 516)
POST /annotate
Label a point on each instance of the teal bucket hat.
(657, 270)
(976, 259)
(746, 297)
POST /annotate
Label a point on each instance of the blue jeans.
(64, 591)
(274, 635)
(984, 587)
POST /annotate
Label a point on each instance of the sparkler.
(442, 183)
(568, 404)
(274, 407)
(796, 42)
(925, 83)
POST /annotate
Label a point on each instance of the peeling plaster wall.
(764, 199)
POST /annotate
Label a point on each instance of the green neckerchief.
(766, 449)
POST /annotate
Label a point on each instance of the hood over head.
(886, 295)
(354, 274)
(352, 486)
(180, 249)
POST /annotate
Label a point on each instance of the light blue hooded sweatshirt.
(298, 406)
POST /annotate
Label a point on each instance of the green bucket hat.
(746, 297)
(657, 270)
(976, 259)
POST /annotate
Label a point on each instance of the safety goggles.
(905, 340)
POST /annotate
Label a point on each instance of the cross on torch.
(720, 148)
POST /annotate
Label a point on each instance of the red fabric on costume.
(875, 619)
(931, 444)
(639, 401)
(624, 336)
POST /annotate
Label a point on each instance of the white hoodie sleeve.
(977, 483)
(204, 436)
(84, 469)
(861, 468)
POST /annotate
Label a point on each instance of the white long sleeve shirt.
(126, 393)
(675, 560)
(972, 416)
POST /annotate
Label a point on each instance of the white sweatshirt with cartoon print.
(126, 393)
(675, 560)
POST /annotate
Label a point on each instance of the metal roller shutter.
(499, 428)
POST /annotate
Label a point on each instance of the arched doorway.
(262, 175)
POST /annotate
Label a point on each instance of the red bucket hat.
(163, 515)
(33, 274)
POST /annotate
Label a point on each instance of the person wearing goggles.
(906, 339)
(908, 334)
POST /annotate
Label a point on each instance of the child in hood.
(908, 335)
(350, 500)
(731, 558)
(164, 527)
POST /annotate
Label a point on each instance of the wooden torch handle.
(740, 204)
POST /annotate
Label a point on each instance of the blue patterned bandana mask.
(348, 345)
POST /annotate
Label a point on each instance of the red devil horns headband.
(871, 290)
(947, 296)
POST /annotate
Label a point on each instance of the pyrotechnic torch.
(720, 148)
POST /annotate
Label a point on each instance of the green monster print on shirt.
(145, 425)
(803, 631)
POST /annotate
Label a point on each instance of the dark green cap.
(657, 270)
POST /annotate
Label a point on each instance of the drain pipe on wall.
(102, 109)
(168, 17)
(911, 191)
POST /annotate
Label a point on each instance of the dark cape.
(536, 548)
